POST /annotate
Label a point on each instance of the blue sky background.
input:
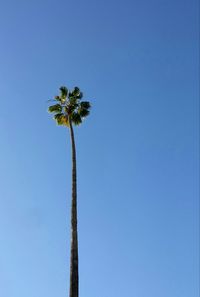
(137, 61)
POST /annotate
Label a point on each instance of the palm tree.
(69, 110)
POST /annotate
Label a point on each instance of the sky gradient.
(138, 152)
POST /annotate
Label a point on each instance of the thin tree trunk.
(74, 282)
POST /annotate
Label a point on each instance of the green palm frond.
(76, 118)
(57, 98)
(55, 108)
(84, 109)
(63, 91)
(61, 119)
(63, 94)
(70, 108)
(83, 112)
(73, 100)
(80, 96)
(76, 92)
(51, 100)
(85, 104)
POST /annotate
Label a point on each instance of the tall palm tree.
(69, 110)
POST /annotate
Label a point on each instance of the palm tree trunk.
(74, 234)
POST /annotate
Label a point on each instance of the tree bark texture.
(74, 278)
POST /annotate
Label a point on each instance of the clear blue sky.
(137, 61)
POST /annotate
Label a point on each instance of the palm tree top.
(69, 107)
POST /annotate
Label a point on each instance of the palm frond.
(73, 100)
(63, 91)
(58, 98)
(63, 94)
(80, 96)
(76, 92)
(85, 104)
(70, 108)
(83, 112)
(61, 119)
(76, 118)
(55, 108)
(51, 100)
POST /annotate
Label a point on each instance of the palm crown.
(69, 107)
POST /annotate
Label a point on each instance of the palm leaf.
(80, 96)
(83, 112)
(63, 91)
(76, 118)
(57, 98)
(70, 108)
(61, 119)
(76, 92)
(55, 108)
(73, 101)
(85, 104)
(51, 100)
